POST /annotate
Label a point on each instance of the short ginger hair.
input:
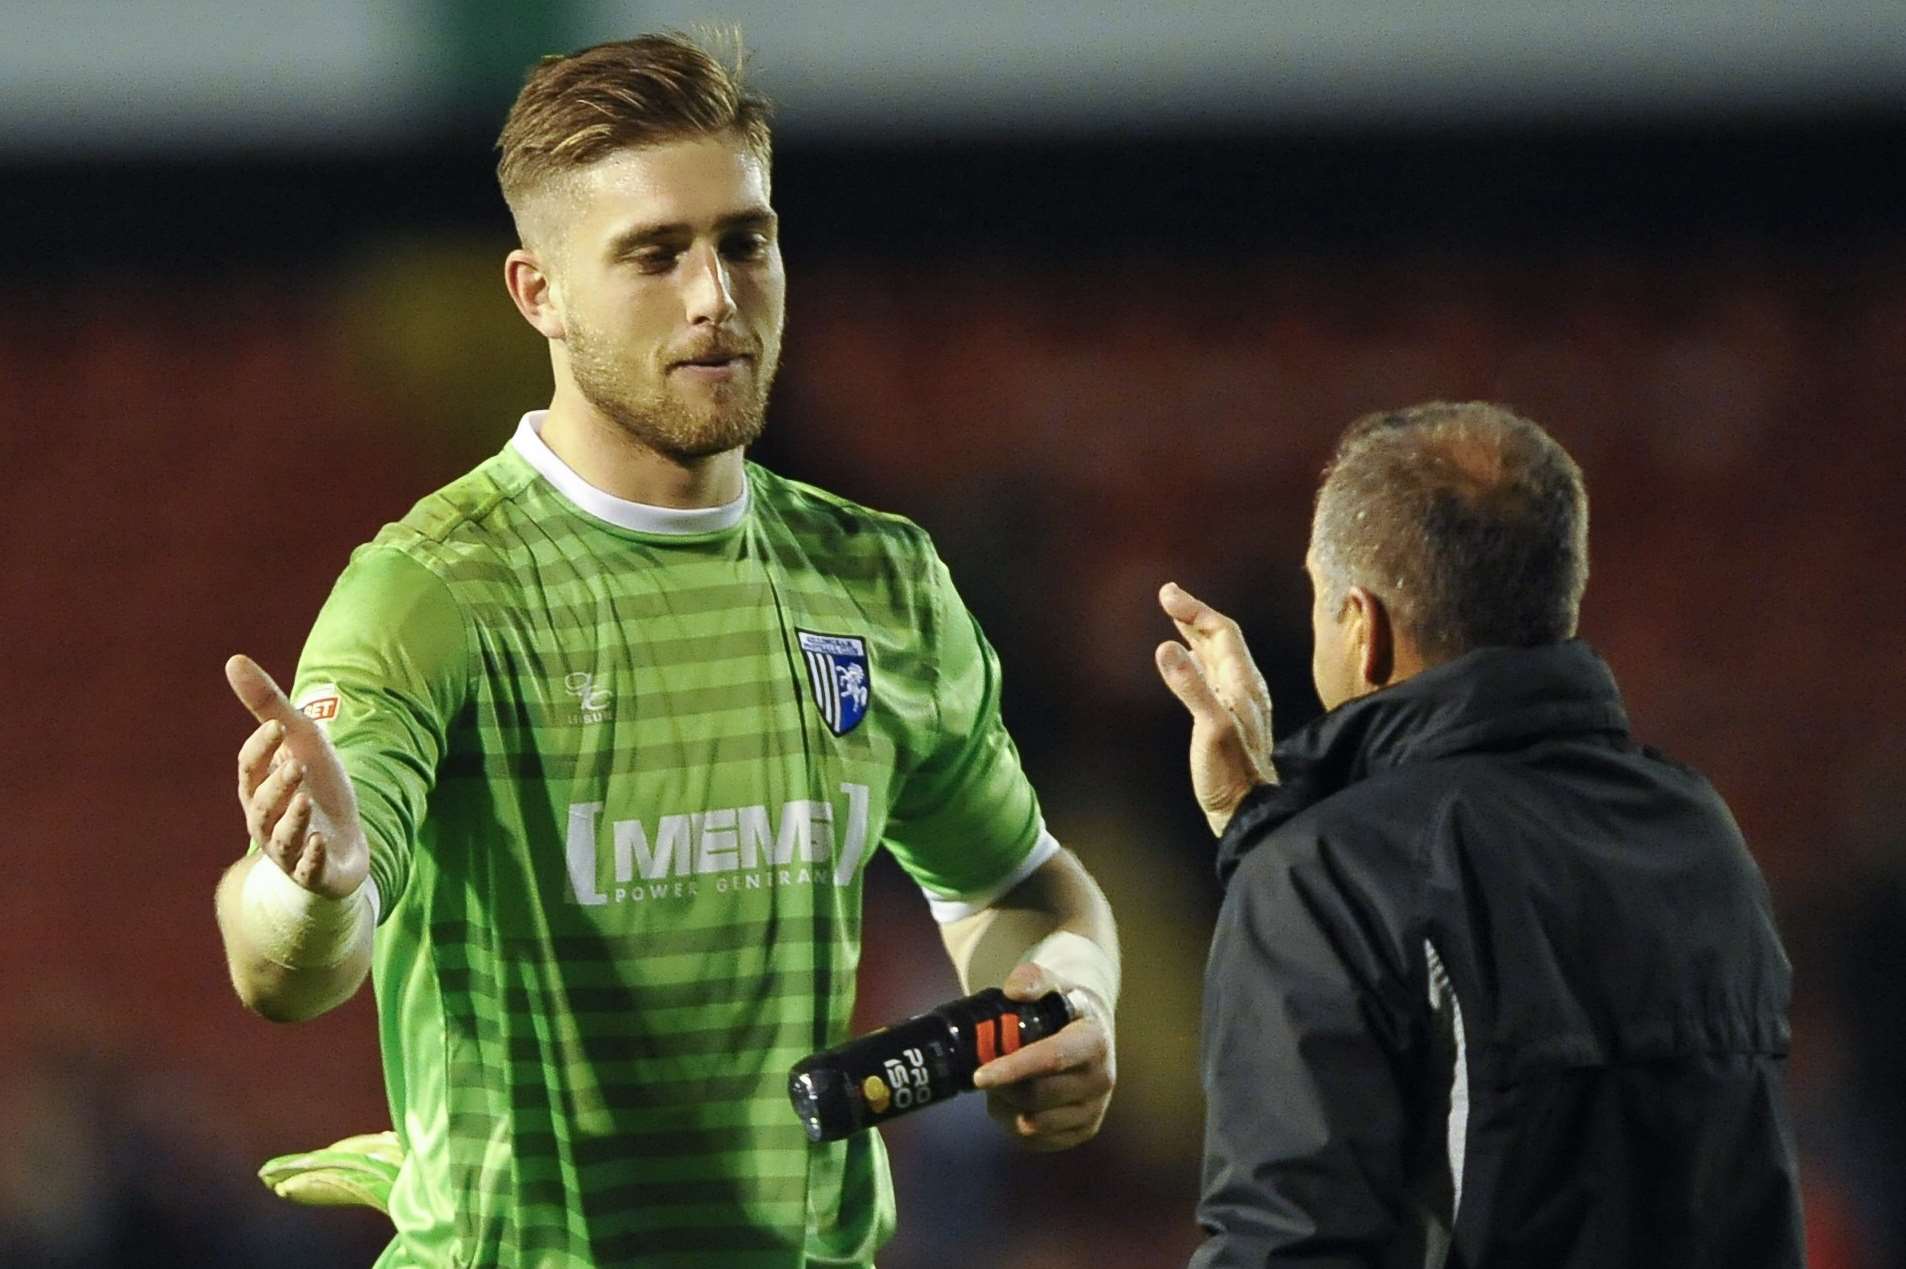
(1469, 523)
(580, 107)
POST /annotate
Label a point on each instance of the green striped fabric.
(618, 838)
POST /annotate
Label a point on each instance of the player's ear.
(533, 291)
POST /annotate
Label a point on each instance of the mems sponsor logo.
(805, 842)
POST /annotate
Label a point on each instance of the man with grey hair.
(1493, 984)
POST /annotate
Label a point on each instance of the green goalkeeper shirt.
(621, 768)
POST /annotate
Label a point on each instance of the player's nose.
(708, 290)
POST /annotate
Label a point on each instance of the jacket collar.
(1493, 698)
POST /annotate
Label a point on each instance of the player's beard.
(661, 419)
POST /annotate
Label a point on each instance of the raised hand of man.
(1213, 674)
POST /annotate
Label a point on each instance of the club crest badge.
(839, 677)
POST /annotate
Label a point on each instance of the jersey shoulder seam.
(501, 490)
(784, 491)
(448, 530)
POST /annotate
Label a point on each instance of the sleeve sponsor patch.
(320, 704)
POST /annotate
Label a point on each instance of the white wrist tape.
(297, 929)
(1080, 963)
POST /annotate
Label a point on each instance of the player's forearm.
(1060, 896)
(273, 990)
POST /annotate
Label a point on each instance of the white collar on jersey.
(639, 516)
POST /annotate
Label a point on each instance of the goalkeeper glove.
(355, 1172)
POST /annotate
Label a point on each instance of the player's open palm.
(298, 801)
(1217, 679)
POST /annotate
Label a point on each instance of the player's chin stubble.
(676, 428)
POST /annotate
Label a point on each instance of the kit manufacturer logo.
(593, 698)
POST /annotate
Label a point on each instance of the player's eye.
(752, 245)
(652, 259)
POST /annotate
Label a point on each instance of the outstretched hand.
(1215, 677)
(298, 800)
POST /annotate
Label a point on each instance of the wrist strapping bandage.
(1079, 962)
(297, 929)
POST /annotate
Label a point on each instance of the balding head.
(1466, 522)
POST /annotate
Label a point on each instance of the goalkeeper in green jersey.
(586, 756)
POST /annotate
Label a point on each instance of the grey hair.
(1469, 523)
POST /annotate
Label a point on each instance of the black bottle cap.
(1052, 1012)
(825, 1100)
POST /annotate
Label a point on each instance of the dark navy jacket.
(1494, 986)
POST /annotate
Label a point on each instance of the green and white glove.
(355, 1172)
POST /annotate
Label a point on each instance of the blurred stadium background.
(1085, 289)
